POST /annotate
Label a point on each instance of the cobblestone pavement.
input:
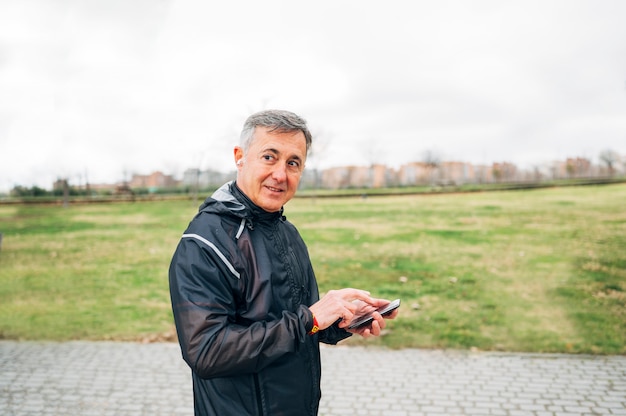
(108, 378)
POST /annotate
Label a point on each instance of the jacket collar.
(237, 203)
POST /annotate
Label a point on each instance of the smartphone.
(367, 319)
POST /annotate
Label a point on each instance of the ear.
(238, 153)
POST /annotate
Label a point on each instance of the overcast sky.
(104, 89)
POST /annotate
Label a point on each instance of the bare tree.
(609, 158)
(66, 192)
(317, 153)
(432, 160)
(374, 153)
(373, 150)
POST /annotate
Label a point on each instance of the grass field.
(540, 270)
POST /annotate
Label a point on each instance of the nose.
(279, 173)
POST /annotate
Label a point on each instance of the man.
(244, 295)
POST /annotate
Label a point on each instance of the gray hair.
(275, 120)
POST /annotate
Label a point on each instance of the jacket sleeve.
(333, 334)
(204, 306)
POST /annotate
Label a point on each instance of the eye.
(295, 165)
(268, 157)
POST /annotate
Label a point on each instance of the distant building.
(155, 180)
(455, 173)
(338, 177)
(380, 176)
(203, 179)
(572, 168)
(578, 167)
(60, 185)
(482, 174)
(374, 176)
(414, 173)
(504, 172)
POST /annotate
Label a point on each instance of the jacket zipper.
(259, 395)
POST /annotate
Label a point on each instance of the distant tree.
(317, 153)
(497, 172)
(432, 160)
(609, 158)
(66, 193)
(374, 151)
(22, 191)
(19, 190)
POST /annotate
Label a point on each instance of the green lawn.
(538, 270)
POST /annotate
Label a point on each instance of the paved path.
(106, 378)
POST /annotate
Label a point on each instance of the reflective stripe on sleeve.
(216, 250)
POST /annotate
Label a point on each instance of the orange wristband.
(316, 326)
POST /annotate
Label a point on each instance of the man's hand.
(377, 325)
(345, 304)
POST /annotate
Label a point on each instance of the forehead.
(292, 143)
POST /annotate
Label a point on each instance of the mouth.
(272, 189)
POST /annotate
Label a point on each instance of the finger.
(379, 319)
(347, 315)
(364, 296)
(393, 314)
(351, 294)
(364, 332)
(375, 328)
(343, 323)
(350, 307)
(364, 308)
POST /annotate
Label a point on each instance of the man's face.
(270, 171)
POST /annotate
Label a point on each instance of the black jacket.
(240, 284)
